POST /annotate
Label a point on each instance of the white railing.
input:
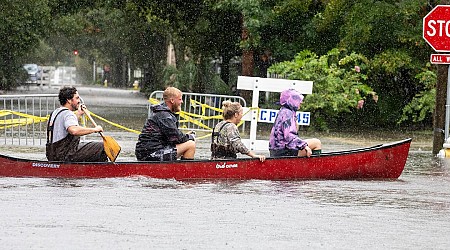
(19, 126)
(201, 108)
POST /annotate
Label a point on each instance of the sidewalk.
(96, 95)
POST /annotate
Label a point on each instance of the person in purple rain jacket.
(284, 139)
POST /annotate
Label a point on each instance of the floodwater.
(412, 212)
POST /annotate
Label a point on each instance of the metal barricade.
(22, 130)
(202, 108)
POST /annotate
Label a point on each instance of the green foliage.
(183, 78)
(22, 24)
(84, 70)
(44, 54)
(382, 37)
(338, 86)
(290, 29)
(391, 61)
(370, 26)
(422, 105)
(187, 78)
(254, 16)
(391, 74)
(389, 34)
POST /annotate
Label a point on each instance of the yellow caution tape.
(116, 124)
(153, 101)
(197, 118)
(204, 106)
(187, 117)
(27, 119)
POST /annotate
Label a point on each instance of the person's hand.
(80, 110)
(262, 158)
(98, 128)
(191, 135)
(308, 151)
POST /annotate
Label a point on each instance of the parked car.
(34, 72)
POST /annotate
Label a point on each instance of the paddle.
(112, 148)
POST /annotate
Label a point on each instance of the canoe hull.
(385, 161)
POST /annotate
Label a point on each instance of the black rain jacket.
(160, 130)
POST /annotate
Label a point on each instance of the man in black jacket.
(160, 139)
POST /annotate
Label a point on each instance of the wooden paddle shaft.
(86, 111)
(111, 147)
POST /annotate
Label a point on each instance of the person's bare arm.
(80, 131)
(262, 158)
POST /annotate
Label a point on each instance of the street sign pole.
(447, 107)
(436, 32)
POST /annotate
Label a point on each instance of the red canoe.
(385, 161)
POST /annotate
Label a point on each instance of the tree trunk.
(118, 72)
(247, 61)
(225, 68)
(202, 70)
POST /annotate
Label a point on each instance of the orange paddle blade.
(112, 148)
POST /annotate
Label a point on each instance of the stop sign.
(436, 28)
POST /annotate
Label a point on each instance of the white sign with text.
(269, 115)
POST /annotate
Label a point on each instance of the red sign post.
(436, 28)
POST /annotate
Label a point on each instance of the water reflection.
(423, 185)
(139, 211)
(424, 164)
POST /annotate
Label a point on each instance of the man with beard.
(63, 132)
(160, 139)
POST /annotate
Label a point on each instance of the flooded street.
(412, 212)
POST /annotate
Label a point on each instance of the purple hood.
(291, 99)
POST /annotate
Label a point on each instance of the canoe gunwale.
(384, 161)
(325, 154)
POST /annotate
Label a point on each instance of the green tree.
(421, 108)
(290, 29)
(389, 34)
(113, 33)
(338, 88)
(137, 32)
(22, 24)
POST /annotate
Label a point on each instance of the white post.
(129, 73)
(257, 84)
(94, 71)
(254, 111)
(63, 70)
(56, 76)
